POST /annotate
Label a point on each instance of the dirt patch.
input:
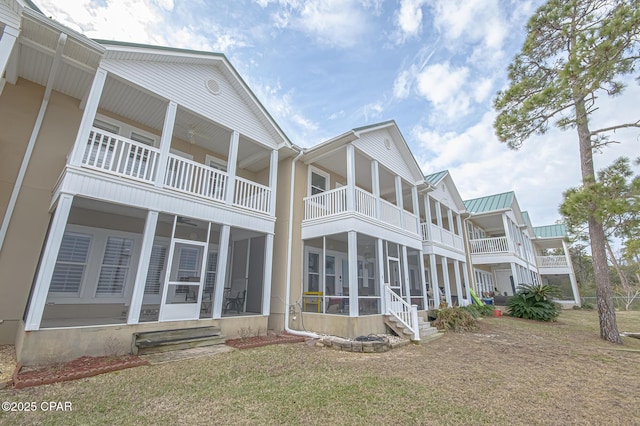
(77, 369)
(7, 364)
(257, 341)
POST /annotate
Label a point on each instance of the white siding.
(373, 144)
(185, 84)
(10, 14)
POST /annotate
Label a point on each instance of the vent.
(387, 143)
(213, 87)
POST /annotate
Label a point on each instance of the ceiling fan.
(186, 221)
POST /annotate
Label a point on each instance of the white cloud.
(402, 84)
(372, 111)
(482, 90)
(409, 18)
(445, 86)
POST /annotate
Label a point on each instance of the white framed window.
(318, 181)
(216, 163)
(115, 266)
(71, 264)
(155, 275)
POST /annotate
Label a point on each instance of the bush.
(478, 311)
(455, 319)
(534, 301)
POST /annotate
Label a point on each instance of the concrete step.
(175, 339)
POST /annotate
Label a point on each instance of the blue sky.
(324, 67)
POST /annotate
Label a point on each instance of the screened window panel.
(212, 266)
(71, 263)
(156, 266)
(115, 266)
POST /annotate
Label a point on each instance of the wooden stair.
(171, 340)
(426, 331)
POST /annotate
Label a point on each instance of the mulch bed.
(79, 368)
(257, 341)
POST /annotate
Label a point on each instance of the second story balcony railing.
(334, 202)
(117, 155)
(441, 235)
(489, 245)
(552, 262)
(114, 154)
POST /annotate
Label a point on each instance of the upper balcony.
(334, 203)
(116, 155)
(434, 233)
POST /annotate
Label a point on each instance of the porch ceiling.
(491, 223)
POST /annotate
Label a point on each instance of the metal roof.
(434, 178)
(550, 231)
(490, 203)
(527, 219)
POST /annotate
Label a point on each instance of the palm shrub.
(535, 301)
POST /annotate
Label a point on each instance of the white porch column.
(273, 181)
(435, 288)
(7, 41)
(399, 200)
(467, 283)
(514, 274)
(352, 247)
(447, 282)
(507, 233)
(232, 165)
(381, 261)
(221, 271)
(416, 206)
(90, 110)
(351, 178)
(375, 185)
(266, 278)
(572, 274)
(143, 267)
(427, 212)
(450, 218)
(165, 143)
(48, 262)
(423, 283)
(460, 232)
(438, 213)
(405, 275)
(456, 272)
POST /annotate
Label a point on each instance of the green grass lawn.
(508, 372)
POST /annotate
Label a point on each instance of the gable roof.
(435, 178)
(550, 231)
(490, 203)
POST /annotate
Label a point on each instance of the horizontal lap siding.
(373, 145)
(185, 84)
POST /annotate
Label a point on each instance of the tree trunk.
(604, 294)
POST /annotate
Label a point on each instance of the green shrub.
(455, 319)
(534, 301)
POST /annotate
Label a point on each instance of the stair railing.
(402, 311)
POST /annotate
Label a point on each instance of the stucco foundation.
(338, 325)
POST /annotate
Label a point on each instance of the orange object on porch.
(497, 313)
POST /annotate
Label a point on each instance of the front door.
(395, 283)
(182, 294)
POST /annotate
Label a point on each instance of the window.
(107, 127)
(71, 263)
(313, 269)
(156, 267)
(318, 182)
(188, 267)
(142, 139)
(115, 266)
(212, 267)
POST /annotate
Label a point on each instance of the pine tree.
(575, 52)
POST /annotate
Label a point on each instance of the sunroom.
(115, 264)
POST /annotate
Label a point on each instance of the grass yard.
(509, 372)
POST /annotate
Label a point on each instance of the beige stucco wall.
(28, 226)
(63, 344)
(339, 325)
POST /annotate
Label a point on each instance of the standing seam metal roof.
(550, 231)
(434, 178)
(490, 203)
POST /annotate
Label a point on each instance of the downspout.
(469, 255)
(62, 40)
(289, 253)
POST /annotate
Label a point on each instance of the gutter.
(289, 253)
(57, 59)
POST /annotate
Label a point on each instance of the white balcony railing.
(442, 236)
(552, 261)
(326, 203)
(410, 222)
(120, 156)
(390, 213)
(194, 178)
(489, 245)
(398, 308)
(252, 196)
(365, 203)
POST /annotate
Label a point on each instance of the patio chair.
(235, 303)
